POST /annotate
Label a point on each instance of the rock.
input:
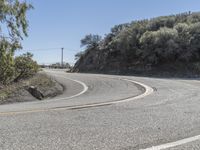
(35, 92)
(21, 95)
(52, 91)
(1, 86)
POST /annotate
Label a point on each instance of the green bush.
(6, 68)
(156, 42)
(159, 46)
(13, 19)
(6, 62)
(25, 67)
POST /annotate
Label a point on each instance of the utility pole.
(62, 63)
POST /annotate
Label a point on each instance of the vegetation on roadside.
(20, 74)
(13, 28)
(18, 92)
(25, 67)
(167, 42)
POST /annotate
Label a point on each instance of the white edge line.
(85, 89)
(174, 144)
(148, 91)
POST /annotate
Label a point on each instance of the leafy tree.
(193, 18)
(194, 32)
(158, 41)
(6, 62)
(13, 16)
(90, 41)
(158, 46)
(79, 55)
(118, 28)
(160, 22)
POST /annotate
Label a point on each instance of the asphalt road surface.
(106, 112)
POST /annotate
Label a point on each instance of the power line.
(42, 49)
(49, 49)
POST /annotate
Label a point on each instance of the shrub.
(159, 45)
(25, 67)
(156, 42)
(6, 62)
(13, 26)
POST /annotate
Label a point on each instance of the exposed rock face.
(162, 45)
(100, 61)
(104, 61)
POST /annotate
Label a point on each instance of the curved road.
(106, 112)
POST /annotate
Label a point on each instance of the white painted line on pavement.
(148, 91)
(85, 89)
(174, 144)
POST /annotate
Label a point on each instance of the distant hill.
(166, 44)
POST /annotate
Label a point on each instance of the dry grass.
(40, 80)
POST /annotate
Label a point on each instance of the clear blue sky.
(62, 23)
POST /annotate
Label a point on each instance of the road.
(106, 112)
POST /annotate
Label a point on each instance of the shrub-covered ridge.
(167, 42)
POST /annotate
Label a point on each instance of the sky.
(54, 24)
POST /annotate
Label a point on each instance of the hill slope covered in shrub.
(165, 44)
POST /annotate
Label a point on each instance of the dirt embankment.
(39, 87)
(95, 61)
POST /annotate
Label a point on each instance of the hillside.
(166, 44)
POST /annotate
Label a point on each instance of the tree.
(79, 55)
(13, 16)
(118, 28)
(183, 41)
(159, 46)
(6, 62)
(90, 41)
(164, 40)
(194, 44)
